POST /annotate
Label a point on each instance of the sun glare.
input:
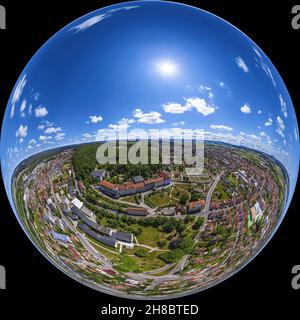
(167, 68)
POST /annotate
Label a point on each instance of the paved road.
(210, 192)
(171, 275)
(87, 245)
(76, 182)
(166, 267)
(180, 265)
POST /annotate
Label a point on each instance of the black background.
(36, 289)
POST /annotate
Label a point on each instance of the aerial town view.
(149, 150)
(150, 230)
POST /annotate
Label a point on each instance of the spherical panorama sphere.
(150, 150)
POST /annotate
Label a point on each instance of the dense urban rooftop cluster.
(158, 235)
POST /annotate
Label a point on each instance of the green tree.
(141, 252)
(184, 198)
(162, 243)
(199, 222)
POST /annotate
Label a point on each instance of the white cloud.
(259, 112)
(96, 119)
(200, 105)
(295, 133)
(280, 126)
(283, 106)
(259, 59)
(30, 110)
(32, 141)
(41, 127)
(151, 117)
(51, 130)
(22, 131)
(36, 95)
(241, 64)
(222, 84)
(41, 112)
(262, 134)
(220, 127)
(87, 136)
(49, 124)
(17, 94)
(12, 111)
(98, 18)
(180, 123)
(202, 88)
(207, 90)
(253, 136)
(122, 124)
(89, 23)
(45, 138)
(59, 136)
(246, 108)
(22, 108)
(123, 8)
(269, 122)
(118, 127)
(257, 52)
(172, 107)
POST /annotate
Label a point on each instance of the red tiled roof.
(196, 203)
(165, 175)
(139, 185)
(108, 184)
(137, 209)
(154, 180)
(128, 185)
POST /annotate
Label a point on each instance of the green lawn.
(163, 198)
(186, 187)
(148, 263)
(127, 264)
(179, 191)
(233, 180)
(129, 199)
(160, 198)
(150, 236)
(219, 193)
(104, 250)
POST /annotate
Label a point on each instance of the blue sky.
(150, 65)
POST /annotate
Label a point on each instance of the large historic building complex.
(138, 185)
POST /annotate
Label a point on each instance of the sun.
(167, 68)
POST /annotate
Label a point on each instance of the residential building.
(98, 175)
(137, 212)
